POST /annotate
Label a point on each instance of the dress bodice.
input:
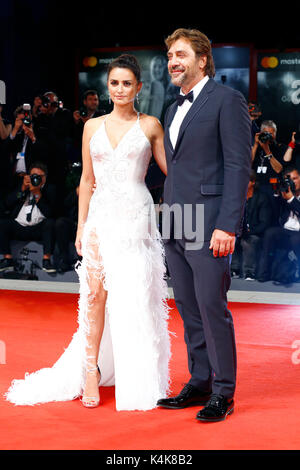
(117, 169)
(120, 180)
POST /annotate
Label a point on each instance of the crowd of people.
(40, 163)
(268, 247)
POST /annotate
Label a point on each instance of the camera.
(283, 184)
(265, 137)
(83, 112)
(27, 114)
(35, 179)
(46, 102)
(286, 184)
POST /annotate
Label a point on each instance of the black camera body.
(27, 120)
(83, 112)
(46, 102)
(265, 137)
(35, 179)
(286, 184)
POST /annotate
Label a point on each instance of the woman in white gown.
(122, 338)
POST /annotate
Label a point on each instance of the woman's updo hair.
(126, 61)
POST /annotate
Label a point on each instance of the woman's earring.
(137, 98)
(109, 99)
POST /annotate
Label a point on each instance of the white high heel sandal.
(91, 402)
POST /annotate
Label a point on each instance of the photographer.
(257, 219)
(292, 155)
(90, 107)
(31, 207)
(88, 111)
(267, 154)
(267, 160)
(53, 125)
(24, 145)
(254, 113)
(287, 235)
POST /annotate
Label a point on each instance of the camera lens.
(35, 179)
(265, 137)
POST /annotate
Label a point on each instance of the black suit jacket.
(46, 204)
(258, 214)
(211, 162)
(33, 152)
(286, 208)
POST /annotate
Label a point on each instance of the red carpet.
(35, 327)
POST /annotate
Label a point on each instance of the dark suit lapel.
(195, 108)
(170, 117)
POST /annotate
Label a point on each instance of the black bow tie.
(182, 98)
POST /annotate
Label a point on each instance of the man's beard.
(179, 81)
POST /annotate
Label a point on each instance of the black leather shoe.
(189, 396)
(217, 409)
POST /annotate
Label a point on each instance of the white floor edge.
(73, 287)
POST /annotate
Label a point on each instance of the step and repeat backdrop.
(274, 82)
(232, 69)
(278, 90)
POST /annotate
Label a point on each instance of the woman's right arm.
(87, 181)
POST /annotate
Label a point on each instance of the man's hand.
(18, 124)
(287, 195)
(76, 117)
(264, 145)
(28, 130)
(26, 183)
(222, 243)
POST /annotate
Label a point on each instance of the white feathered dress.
(121, 246)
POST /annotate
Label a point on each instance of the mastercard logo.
(269, 62)
(90, 61)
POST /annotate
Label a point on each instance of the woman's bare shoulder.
(152, 123)
(92, 124)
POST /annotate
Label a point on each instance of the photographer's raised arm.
(275, 164)
(255, 146)
(289, 152)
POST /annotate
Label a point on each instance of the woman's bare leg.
(95, 318)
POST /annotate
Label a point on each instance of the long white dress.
(122, 247)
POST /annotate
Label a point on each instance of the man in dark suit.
(208, 150)
(287, 235)
(257, 219)
(32, 206)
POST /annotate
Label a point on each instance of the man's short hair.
(268, 123)
(18, 110)
(290, 169)
(90, 92)
(200, 44)
(39, 165)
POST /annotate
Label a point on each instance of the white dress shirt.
(36, 214)
(183, 110)
(292, 222)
